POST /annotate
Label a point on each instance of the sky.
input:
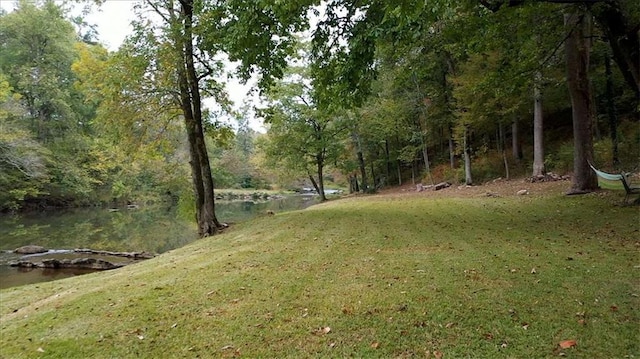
(112, 20)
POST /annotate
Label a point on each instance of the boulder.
(30, 249)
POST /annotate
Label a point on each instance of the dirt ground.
(495, 188)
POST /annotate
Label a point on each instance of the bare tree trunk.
(361, 164)
(467, 158)
(452, 156)
(611, 112)
(577, 62)
(502, 142)
(320, 184)
(316, 186)
(207, 222)
(387, 158)
(425, 155)
(538, 129)
(373, 179)
(515, 141)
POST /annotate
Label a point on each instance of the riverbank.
(153, 229)
(391, 275)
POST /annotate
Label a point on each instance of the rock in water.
(30, 249)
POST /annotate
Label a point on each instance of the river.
(154, 229)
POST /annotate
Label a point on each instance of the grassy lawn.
(381, 276)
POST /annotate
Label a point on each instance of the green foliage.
(302, 136)
(23, 170)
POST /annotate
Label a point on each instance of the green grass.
(392, 277)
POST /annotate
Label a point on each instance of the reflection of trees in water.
(55, 272)
(150, 229)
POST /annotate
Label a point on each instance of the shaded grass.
(361, 277)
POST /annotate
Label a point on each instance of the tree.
(619, 20)
(159, 75)
(302, 135)
(23, 170)
(181, 22)
(577, 51)
(37, 49)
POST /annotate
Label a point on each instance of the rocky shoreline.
(32, 251)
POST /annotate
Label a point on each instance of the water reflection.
(151, 229)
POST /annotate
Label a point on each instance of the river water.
(154, 229)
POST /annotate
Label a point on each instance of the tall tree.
(181, 23)
(160, 75)
(619, 20)
(37, 49)
(577, 52)
(304, 136)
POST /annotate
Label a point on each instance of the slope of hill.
(392, 275)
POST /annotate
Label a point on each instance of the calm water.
(151, 229)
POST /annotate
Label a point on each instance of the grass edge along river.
(378, 276)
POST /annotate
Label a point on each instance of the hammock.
(615, 182)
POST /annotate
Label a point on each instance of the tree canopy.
(363, 93)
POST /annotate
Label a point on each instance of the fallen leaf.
(614, 308)
(449, 325)
(322, 331)
(375, 345)
(566, 344)
(227, 347)
(40, 350)
(438, 354)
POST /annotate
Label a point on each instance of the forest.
(362, 93)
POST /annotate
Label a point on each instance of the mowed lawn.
(379, 276)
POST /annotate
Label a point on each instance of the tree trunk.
(316, 186)
(425, 155)
(611, 112)
(577, 63)
(503, 148)
(361, 165)
(191, 107)
(320, 167)
(515, 142)
(373, 179)
(624, 39)
(388, 160)
(467, 158)
(452, 156)
(538, 129)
